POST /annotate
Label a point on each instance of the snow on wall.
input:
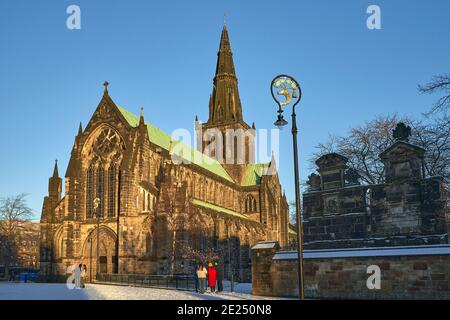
(439, 249)
(265, 245)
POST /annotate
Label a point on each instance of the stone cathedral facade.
(156, 199)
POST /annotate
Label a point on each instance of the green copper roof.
(163, 140)
(253, 173)
(218, 209)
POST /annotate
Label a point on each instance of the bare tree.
(293, 209)
(439, 83)
(363, 145)
(292, 212)
(14, 211)
(435, 138)
(206, 255)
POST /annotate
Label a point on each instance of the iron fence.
(176, 282)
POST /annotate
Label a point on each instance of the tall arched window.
(213, 193)
(100, 190)
(250, 203)
(103, 152)
(112, 191)
(144, 200)
(90, 192)
(197, 187)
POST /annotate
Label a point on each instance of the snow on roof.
(265, 245)
(438, 249)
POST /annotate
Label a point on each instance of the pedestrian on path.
(78, 276)
(83, 276)
(201, 274)
(212, 277)
(196, 277)
(220, 273)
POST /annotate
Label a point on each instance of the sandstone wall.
(421, 272)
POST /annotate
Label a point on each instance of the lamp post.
(290, 92)
(96, 205)
(90, 258)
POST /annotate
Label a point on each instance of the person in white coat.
(78, 277)
(201, 274)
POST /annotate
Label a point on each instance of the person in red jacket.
(212, 277)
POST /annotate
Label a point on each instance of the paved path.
(38, 291)
(45, 291)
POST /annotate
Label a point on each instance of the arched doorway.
(107, 252)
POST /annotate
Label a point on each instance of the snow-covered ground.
(46, 291)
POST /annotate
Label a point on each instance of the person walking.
(196, 277)
(220, 273)
(83, 276)
(12, 276)
(201, 274)
(78, 276)
(212, 277)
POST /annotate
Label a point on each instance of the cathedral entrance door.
(106, 254)
(103, 264)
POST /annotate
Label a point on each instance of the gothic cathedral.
(131, 206)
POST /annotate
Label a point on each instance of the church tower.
(54, 196)
(225, 136)
(54, 185)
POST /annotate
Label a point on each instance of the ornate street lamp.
(289, 92)
(97, 202)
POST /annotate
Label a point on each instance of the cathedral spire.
(225, 104)
(225, 64)
(55, 169)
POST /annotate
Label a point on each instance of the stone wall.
(421, 272)
(262, 254)
(335, 215)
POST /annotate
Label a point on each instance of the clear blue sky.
(162, 55)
